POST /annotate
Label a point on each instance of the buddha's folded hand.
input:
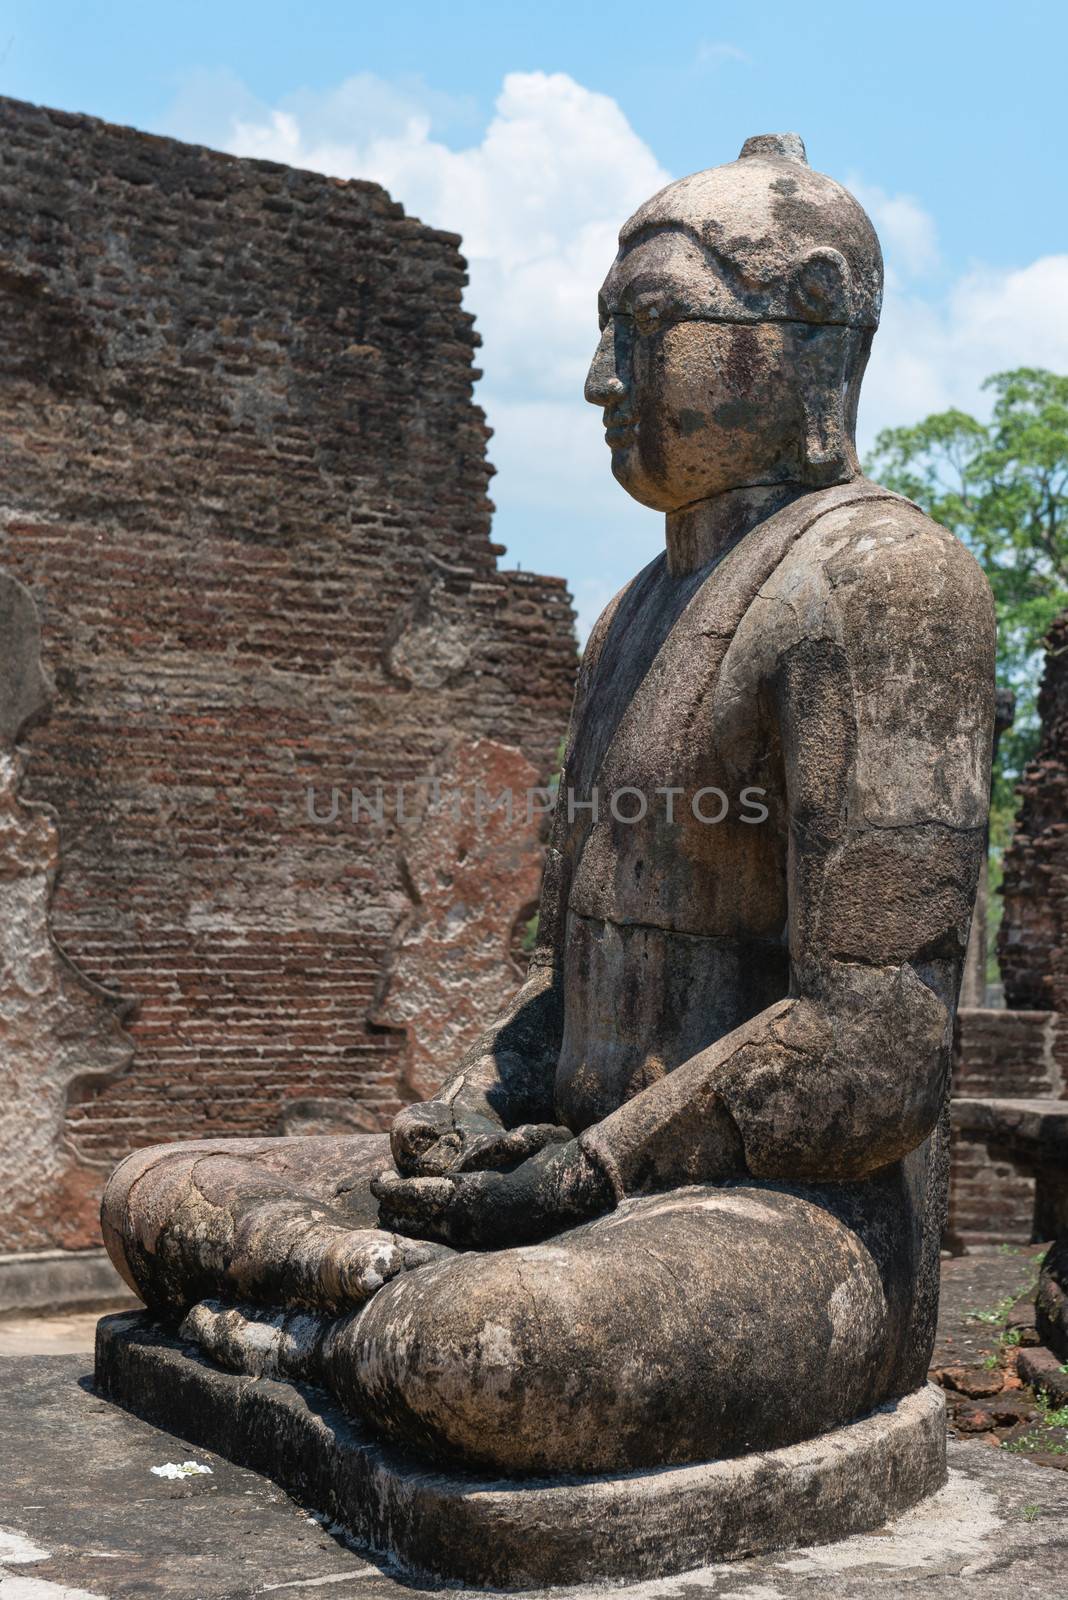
(433, 1136)
(437, 1136)
(508, 1147)
(558, 1188)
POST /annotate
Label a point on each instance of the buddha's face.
(691, 407)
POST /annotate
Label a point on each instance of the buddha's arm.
(884, 698)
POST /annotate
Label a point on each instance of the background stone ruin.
(245, 480)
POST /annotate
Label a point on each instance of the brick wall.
(1006, 1054)
(243, 475)
(989, 1201)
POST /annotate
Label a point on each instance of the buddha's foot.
(258, 1342)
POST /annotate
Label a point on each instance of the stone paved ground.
(985, 1323)
(84, 1517)
(70, 1335)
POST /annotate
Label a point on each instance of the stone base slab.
(525, 1534)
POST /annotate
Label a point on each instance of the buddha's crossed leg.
(705, 1322)
(272, 1222)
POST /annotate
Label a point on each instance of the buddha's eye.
(648, 318)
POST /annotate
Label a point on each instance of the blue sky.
(534, 129)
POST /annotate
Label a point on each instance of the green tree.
(1002, 487)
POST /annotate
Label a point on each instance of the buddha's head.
(736, 325)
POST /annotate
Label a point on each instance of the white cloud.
(941, 337)
(538, 195)
(906, 231)
(538, 200)
(932, 353)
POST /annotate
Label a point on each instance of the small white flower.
(180, 1469)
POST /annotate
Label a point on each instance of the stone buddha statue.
(681, 1202)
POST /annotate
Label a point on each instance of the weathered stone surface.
(1046, 1373)
(59, 1033)
(1033, 1134)
(284, 1221)
(245, 479)
(987, 1336)
(753, 1318)
(976, 1382)
(24, 690)
(1037, 1128)
(787, 244)
(973, 984)
(686, 1190)
(1000, 1054)
(467, 858)
(1033, 939)
(480, 1373)
(1022, 1052)
(1051, 1302)
(40, 1282)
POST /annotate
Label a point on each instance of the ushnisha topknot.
(779, 241)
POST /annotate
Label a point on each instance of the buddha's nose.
(604, 387)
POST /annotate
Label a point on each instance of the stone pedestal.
(523, 1533)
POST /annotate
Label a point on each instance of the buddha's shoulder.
(882, 550)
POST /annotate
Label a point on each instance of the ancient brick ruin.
(1021, 1051)
(998, 1054)
(245, 481)
(1033, 947)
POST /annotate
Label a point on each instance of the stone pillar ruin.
(1033, 945)
(974, 985)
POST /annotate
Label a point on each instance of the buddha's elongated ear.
(820, 289)
(820, 294)
(828, 454)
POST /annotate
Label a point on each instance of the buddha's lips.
(620, 432)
